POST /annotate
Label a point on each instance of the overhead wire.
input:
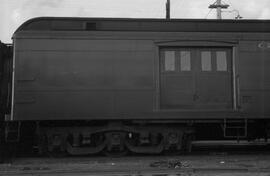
(230, 3)
(208, 13)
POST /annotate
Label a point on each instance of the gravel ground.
(213, 164)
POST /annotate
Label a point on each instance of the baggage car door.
(177, 78)
(213, 78)
(195, 78)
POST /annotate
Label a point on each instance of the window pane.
(185, 60)
(221, 61)
(169, 60)
(206, 61)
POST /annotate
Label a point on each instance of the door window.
(221, 61)
(206, 61)
(195, 78)
(169, 61)
(185, 61)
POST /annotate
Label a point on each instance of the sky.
(14, 12)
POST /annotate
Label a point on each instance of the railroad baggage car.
(86, 85)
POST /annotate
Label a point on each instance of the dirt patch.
(169, 164)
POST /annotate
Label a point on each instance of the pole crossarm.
(214, 6)
(218, 6)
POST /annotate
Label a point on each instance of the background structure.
(15, 12)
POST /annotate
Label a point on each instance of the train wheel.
(57, 153)
(42, 145)
(57, 146)
(115, 144)
(172, 151)
(116, 152)
(187, 142)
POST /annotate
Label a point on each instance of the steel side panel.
(254, 63)
(54, 77)
(114, 77)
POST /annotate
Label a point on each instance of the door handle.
(195, 97)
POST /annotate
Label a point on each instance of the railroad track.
(223, 164)
(153, 172)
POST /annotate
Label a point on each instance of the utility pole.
(168, 9)
(219, 9)
(218, 6)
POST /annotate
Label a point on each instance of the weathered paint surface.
(107, 74)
